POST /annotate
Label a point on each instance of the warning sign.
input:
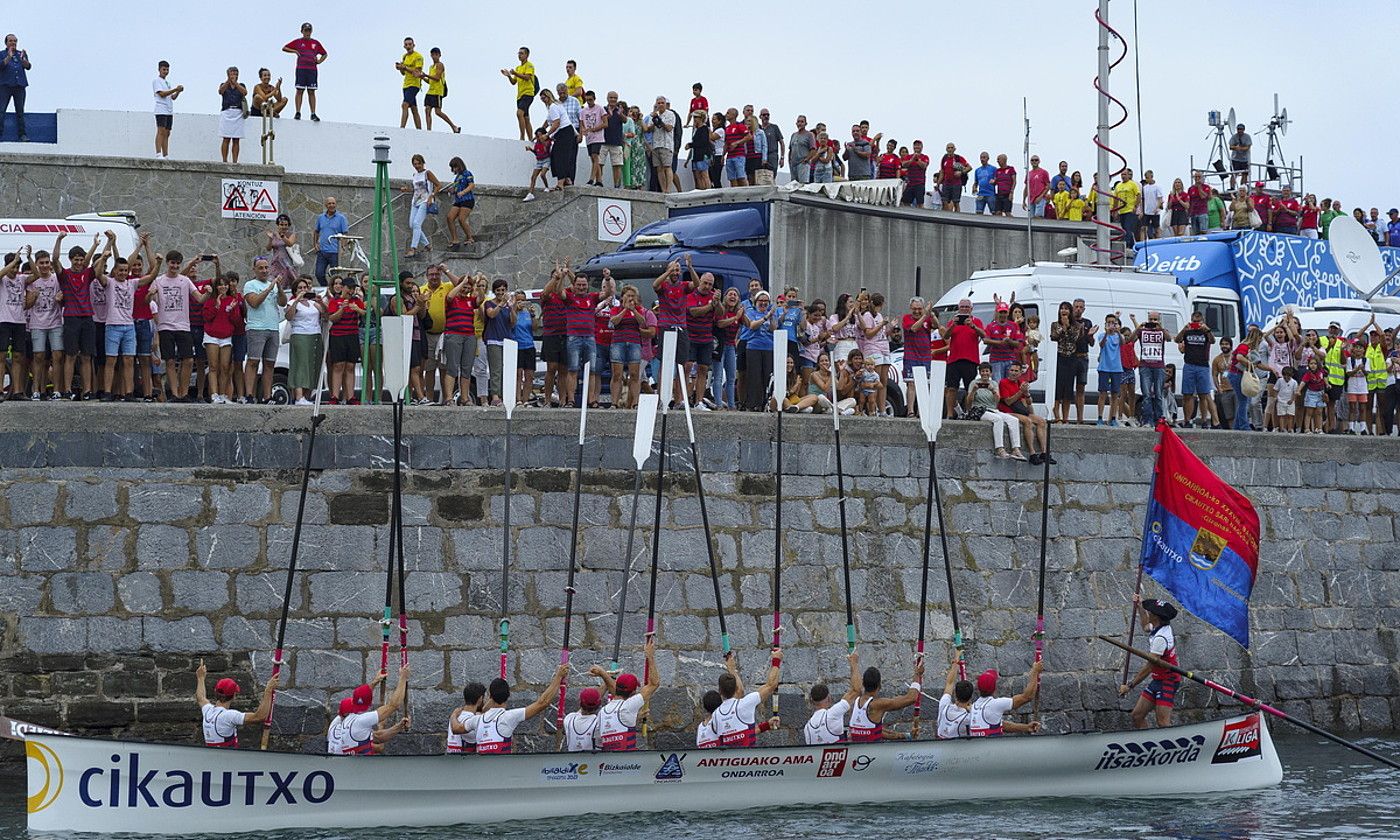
(614, 220)
(249, 200)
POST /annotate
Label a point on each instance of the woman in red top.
(1307, 220)
(220, 311)
(346, 306)
(1178, 206)
(725, 377)
(1127, 352)
(628, 325)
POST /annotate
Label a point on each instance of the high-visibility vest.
(1336, 369)
(1375, 366)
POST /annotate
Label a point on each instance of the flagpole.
(1146, 523)
(1251, 702)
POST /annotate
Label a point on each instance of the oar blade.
(645, 431)
(780, 355)
(926, 390)
(668, 367)
(685, 403)
(510, 360)
(835, 407)
(398, 344)
(583, 403)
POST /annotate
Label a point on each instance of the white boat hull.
(84, 784)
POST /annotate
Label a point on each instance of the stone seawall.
(137, 540)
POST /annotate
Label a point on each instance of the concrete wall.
(179, 202)
(137, 540)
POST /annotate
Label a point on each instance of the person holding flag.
(1156, 617)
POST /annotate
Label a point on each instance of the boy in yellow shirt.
(1069, 206)
(411, 66)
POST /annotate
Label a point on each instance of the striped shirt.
(673, 297)
(628, 329)
(917, 347)
(77, 295)
(555, 321)
(578, 313)
(349, 323)
(700, 327)
(461, 315)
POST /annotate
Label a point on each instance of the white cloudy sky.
(954, 70)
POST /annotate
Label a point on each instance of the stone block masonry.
(121, 565)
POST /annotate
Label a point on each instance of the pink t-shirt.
(592, 120)
(1039, 182)
(47, 312)
(97, 294)
(173, 298)
(121, 298)
(879, 344)
(12, 291)
(648, 344)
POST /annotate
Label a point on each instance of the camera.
(962, 319)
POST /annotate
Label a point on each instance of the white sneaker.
(217, 399)
(700, 406)
(304, 401)
(847, 412)
(528, 197)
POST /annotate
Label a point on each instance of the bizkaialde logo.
(671, 769)
(126, 786)
(833, 763)
(571, 772)
(1150, 753)
(1239, 741)
(45, 774)
(617, 768)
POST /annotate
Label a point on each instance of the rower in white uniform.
(955, 706)
(736, 719)
(868, 710)
(461, 724)
(988, 711)
(620, 717)
(497, 724)
(581, 725)
(706, 738)
(828, 722)
(220, 720)
(363, 733)
(335, 733)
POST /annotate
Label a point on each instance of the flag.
(1201, 538)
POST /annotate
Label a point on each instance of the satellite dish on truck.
(1358, 258)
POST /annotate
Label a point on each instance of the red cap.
(987, 682)
(590, 699)
(1259, 185)
(226, 687)
(346, 706)
(627, 683)
(1003, 307)
(361, 698)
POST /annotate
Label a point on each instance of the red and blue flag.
(1201, 538)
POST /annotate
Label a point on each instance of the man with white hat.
(220, 719)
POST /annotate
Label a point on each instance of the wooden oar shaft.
(845, 542)
(1251, 702)
(277, 654)
(627, 566)
(1039, 635)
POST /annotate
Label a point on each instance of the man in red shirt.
(952, 173)
(915, 176)
(1198, 204)
(1285, 212)
(310, 54)
(701, 306)
(554, 337)
(736, 143)
(1015, 392)
(1003, 338)
(698, 102)
(581, 345)
(962, 333)
(79, 330)
(887, 165)
(1263, 205)
(1005, 180)
(918, 346)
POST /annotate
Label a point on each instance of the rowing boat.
(93, 785)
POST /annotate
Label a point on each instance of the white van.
(80, 229)
(1106, 290)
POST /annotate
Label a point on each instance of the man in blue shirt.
(328, 224)
(1393, 229)
(14, 81)
(1061, 181)
(985, 178)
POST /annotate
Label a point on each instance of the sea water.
(1327, 792)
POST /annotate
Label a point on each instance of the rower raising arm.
(868, 710)
(619, 719)
(461, 726)
(988, 710)
(496, 727)
(735, 721)
(220, 721)
(363, 733)
(828, 723)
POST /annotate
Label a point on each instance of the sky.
(952, 71)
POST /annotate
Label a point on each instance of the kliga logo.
(50, 769)
(671, 769)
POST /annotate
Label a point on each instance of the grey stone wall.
(137, 540)
(178, 202)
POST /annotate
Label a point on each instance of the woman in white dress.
(233, 98)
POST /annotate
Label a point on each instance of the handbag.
(294, 254)
(1250, 385)
(1255, 220)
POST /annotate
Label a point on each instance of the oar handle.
(505, 644)
(271, 699)
(563, 691)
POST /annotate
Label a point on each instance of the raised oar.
(931, 421)
(316, 418)
(705, 521)
(1039, 635)
(841, 507)
(668, 378)
(780, 349)
(398, 527)
(573, 554)
(1253, 703)
(510, 356)
(642, 436)
(386, 622)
